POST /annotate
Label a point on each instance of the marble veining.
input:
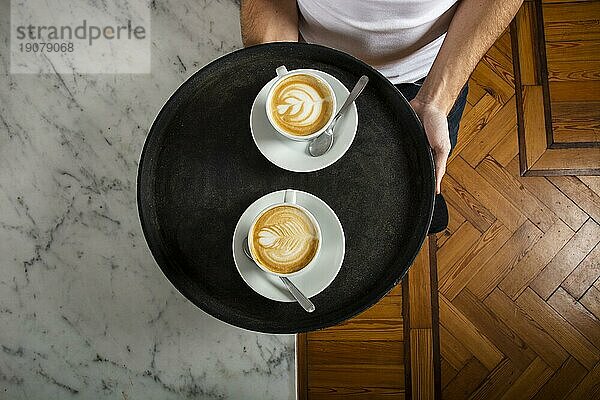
(84, 311)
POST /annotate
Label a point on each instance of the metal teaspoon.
(322, 143)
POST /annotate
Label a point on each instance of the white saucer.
(319, 276)
(291, 155)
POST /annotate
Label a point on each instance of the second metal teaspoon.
(298, 295)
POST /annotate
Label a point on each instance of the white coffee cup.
(282, 73)
(288, 200)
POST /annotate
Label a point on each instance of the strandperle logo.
(83, 31)
(80, 37)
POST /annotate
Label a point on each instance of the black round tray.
(200, 169)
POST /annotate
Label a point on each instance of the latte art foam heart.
(301, 105)
(284, 239)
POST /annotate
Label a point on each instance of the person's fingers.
(436, 129)
(441, 158)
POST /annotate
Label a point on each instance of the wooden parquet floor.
(519, 265)
(517, 310)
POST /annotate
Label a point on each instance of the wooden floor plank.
(421, 363)
(448, 372)
(502, 124)
(581, 70)
(526, 385)
(419, 290)
(528, 330)
(497, 81)
(389, 307)
(563, 381)
(362, 330)
(567, 259)
(497, 267)
(575, 133)
(396, 291)
(523, 33)
(563, 161)
(361, 376)
(504, 45)
(577, 191)
(589, 387)
(473, 121)
(584, 276)
(470, 337)
(563, 332)
(497, 382)
(466, 204)
(453, 351)
(467, 108)
(576, 315)
(574, 91)
(577, 109)
(576, 130)
(516, 193)
(355, 393)
(592, 182)
(536, 259)
(501, 54)
(476, 93)
(571, 21)
(459, 275)
(466, 381)
(570, 51)
(334, 353)
(507, 148)
(534, 124)
(495, 330)
(454, 249)
(485, 193)
(572, 30)
(562, 206)
(591, 301)
(569, 10)
(576, 121)
(455, 220)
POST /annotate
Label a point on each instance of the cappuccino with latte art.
(301, 104)
(284, 239)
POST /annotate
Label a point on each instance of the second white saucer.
(313, 281)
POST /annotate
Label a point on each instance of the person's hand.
(436, 128)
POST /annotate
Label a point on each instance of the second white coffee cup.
(288, 200)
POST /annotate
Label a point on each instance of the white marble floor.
(84, 311)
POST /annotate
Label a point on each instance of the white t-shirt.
(400, 38)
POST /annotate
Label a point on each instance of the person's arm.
(475, 26)
(263, 21)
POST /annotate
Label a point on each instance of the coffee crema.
(301, 105)
(284, 239)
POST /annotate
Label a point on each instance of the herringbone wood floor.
(518, 278)
(519, 265)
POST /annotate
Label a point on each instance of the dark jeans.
(409, 90)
